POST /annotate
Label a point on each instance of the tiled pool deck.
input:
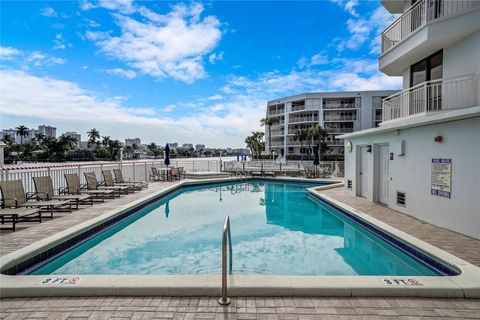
(243, 308)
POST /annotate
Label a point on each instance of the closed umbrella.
(316, 160)
(167, 155)
(167, 158)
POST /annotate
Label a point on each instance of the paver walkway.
(241, 307)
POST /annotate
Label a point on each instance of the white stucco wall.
(411, 173)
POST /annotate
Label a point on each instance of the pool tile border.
(467, 284)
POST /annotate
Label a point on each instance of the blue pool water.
(277, 229)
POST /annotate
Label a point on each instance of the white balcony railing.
(338, 130)
(278, 132)
(340, 118)
(432, 96)
(419, 14)
(275, 112)
(302, 119)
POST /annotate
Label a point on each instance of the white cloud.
(215, 97)
(39, 59)
(315, 60)
(169, 108)
(26, 58)
(48, 12)
(60, 42)
(348, 5)
(163, 46)
(124, 6)
(9, 53)
(361, 30)
(212, 58)
(69, 105)
(129, 74)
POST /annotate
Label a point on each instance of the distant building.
(134, 141)
(187, 146)
(84, 145)
(46, 130)
(10, 132)
(337, 112)
(199, 147)
(74, 135)
(49, 131)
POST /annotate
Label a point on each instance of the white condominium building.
(423, 159)
(337, 112)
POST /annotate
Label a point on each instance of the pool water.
(277, 229)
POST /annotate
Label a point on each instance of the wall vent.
(349, 184)
(401, 199)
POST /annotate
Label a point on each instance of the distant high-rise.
(75, 135)
(134, 141)
(49, 131)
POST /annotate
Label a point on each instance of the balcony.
(277, 133)
(340, 118)
(430, 96)
(276, 112)
(303, 119)
(418, 15)
(338, 130)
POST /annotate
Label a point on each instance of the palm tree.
(255, 142)
(301, 135)
(93, 135)
(66, 143)
(269, 122)
(8, 140)
(22, 131)
(106, 141)
(40, 138)
(317, 133)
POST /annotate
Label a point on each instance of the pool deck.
(242, 308)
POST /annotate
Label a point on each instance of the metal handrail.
(226, 235)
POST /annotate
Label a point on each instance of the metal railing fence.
(133, 170)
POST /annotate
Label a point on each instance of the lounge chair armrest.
(14, 199)
(31, 195)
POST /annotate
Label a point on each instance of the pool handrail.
(226, 234)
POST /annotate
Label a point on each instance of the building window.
(430, 68)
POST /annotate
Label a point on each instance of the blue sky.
(197, 72)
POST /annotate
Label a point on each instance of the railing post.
(226, 235)
(133, 171)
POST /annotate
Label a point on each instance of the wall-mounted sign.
(442, 178)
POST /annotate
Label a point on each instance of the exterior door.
(383, 175)
(363, 172)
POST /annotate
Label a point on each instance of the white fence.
(330, 168)
(419, 14)
(133, 170)
(432, 96)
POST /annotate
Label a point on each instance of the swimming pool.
(277, 228)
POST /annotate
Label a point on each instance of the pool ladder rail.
(226, 239)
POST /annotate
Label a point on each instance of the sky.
(186, 72)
